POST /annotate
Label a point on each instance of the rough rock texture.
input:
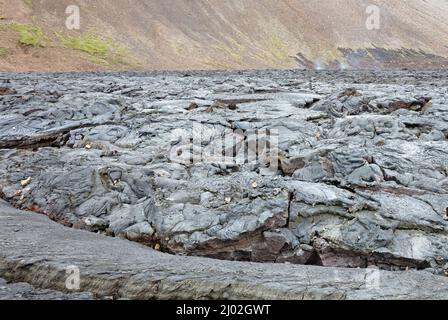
(360, 162)
(38, 251)
(24, 291)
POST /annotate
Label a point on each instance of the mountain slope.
(211, 34)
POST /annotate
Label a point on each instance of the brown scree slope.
(232, 34)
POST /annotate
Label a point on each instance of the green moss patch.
(278, 48)
(100, 50)
(29, 35)
(28, 3)
(4, 52)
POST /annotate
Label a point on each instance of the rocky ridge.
(37, 251)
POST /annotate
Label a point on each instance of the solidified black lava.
(360, 163)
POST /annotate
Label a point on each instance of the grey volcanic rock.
(37, 251)
(24, 291)
(353, 173)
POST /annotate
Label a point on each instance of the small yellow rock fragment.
(25, 182)
(88, 146)
(157, 247)
(228, 199)
(254, 184)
